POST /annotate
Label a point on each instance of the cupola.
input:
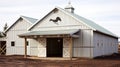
(69, 8)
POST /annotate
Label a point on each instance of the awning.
(50, 32)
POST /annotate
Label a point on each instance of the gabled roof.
(32, 20)
(29, 19)
(95, 26)
(2, 34)
(85, 21)
(41, 19)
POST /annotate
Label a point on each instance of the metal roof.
(90, 23)
(85, 21)
(94, 25)
(51, 32)
(32, 20)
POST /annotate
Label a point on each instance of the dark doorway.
(2, 47)
(54, 47)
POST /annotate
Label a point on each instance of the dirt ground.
(19, 61)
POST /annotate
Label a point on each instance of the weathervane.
(56, 20)
(69, 2)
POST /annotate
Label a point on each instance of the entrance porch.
(57, 43)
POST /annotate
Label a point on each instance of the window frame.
(12, 43)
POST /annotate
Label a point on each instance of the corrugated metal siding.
(12, 35)
(104, 45)
(83, 46)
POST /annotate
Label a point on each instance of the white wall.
(104, 45)
(83, 46)
(34, 47)
(12, 35)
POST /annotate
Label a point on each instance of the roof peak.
(30, 19)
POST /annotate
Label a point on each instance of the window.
(12, 43)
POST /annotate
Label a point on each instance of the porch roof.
(50, 32)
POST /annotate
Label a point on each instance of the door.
(2, 47)
(54, 47)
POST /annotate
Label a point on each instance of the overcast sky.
(103, 12)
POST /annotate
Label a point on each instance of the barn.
(60, 33)
(14, 44)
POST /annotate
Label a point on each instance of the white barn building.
(61, 33)
(14, 44)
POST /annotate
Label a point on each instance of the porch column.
(0, 48)
(25, 47)
(70, 47)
